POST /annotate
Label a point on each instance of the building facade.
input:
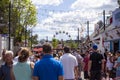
(108, 37)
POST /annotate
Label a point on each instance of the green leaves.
(23, 15)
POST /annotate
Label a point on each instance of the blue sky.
(69, 15)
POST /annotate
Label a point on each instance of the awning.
(38, 49)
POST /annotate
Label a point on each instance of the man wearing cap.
(96, 64)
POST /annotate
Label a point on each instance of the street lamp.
(9, 30)
(88, 29)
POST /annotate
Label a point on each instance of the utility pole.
(78, 36)
(88, 28)
(31, 39)
(104, 19)
(9, 30)
(119, 3)
(46, 38)
(25, 36)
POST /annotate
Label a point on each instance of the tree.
(3, 17)
(72, 44)
(26, 18)
(54, 43)
(23, 15)
(33, 40)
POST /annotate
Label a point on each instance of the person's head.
(87, 52)
(78, 51)
(109, 53)
(47, 48)
(60, 53)
(37, 56)
(118, 53)
(24, 55)
(106, 49)
(95, 47)
(8, 56)
(67, 49)
(3, 54)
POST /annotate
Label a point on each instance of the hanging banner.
(112, 34)
(107, 45)
(116, 18)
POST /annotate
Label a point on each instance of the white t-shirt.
(78, 57)
(69, 62)
(1, 62)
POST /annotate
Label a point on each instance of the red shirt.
(86, 60)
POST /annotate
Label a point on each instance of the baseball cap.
(95, 47)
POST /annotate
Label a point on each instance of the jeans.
(117, 73)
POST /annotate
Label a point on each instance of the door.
(115, 45)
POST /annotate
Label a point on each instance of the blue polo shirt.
(48, 68)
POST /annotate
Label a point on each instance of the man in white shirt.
(70, 65)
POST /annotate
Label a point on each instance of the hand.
(76, 77)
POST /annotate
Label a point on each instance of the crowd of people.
(67, 64)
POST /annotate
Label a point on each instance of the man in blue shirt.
(48, 68)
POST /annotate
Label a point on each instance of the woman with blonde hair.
(6, 69)
(23, 68)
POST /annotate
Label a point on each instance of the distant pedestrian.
(86, 60)
(6, 69)
(2, 59)
(80, 62)
(109, 64)
(117, 66)
(96, 64)
(70, 65)
(48, 68)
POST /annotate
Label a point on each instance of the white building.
(4, 42)
(110, 37)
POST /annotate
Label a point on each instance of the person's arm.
(60, 72)
(32, 65)
(117, 65)
(89, 66)
(76, 72)
(35, 72)
(60, 78)
(35, 78)
(103, 65)
(12, 74)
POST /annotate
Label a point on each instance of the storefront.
(112, 40)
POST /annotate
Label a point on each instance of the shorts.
(95, 75)
(86, 76)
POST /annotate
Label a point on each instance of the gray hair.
(9, 52)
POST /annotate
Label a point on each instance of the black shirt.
(96, 59)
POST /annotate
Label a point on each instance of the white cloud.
(47, 2)
(88, 4)
(65, 21)
(70, 21)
